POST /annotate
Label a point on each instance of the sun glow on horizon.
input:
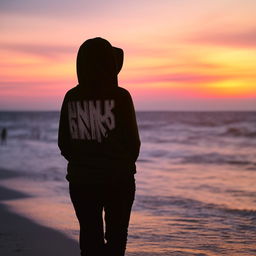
(168, 58)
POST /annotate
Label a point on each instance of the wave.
(240, 132)
(144, 160)
(169, 205)
(162, 204)
(215, 158)
(251, 213)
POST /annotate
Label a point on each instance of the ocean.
(196, 181)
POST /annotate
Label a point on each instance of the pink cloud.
(34, 88)
(46, 51)
(182, 77)
(242, 39)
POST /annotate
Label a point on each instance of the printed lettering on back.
(91, 120)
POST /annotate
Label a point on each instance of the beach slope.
(21, 236)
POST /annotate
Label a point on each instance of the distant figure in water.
(4, 136)
(36, 133)
(98, 136)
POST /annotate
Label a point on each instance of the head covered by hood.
(98, 64)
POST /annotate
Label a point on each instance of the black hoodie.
(98, 132)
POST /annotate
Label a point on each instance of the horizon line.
(141, 110)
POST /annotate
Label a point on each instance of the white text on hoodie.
(91, 120)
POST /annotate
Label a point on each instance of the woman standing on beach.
(98, 135)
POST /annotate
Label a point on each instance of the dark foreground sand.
(21, 236)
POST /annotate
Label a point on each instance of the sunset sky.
(179, 54)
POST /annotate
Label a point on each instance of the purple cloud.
(47, 51)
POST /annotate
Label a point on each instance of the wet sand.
(21, 236)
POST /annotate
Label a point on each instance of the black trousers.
(89, 201)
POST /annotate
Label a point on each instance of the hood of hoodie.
(98, 64)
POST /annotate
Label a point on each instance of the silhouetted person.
(98, 135)
(4, 136)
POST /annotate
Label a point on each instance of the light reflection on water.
(176, 212)
(196, 212)
(190, 235)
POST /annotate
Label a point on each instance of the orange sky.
(179, 54)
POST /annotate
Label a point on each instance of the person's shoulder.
(70, 93)
(123, 92)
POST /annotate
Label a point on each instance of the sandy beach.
(21, 236)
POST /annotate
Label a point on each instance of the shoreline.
(21, 235)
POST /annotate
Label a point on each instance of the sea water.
(196, 180)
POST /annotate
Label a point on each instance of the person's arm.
(64, 133)
(130, 126)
